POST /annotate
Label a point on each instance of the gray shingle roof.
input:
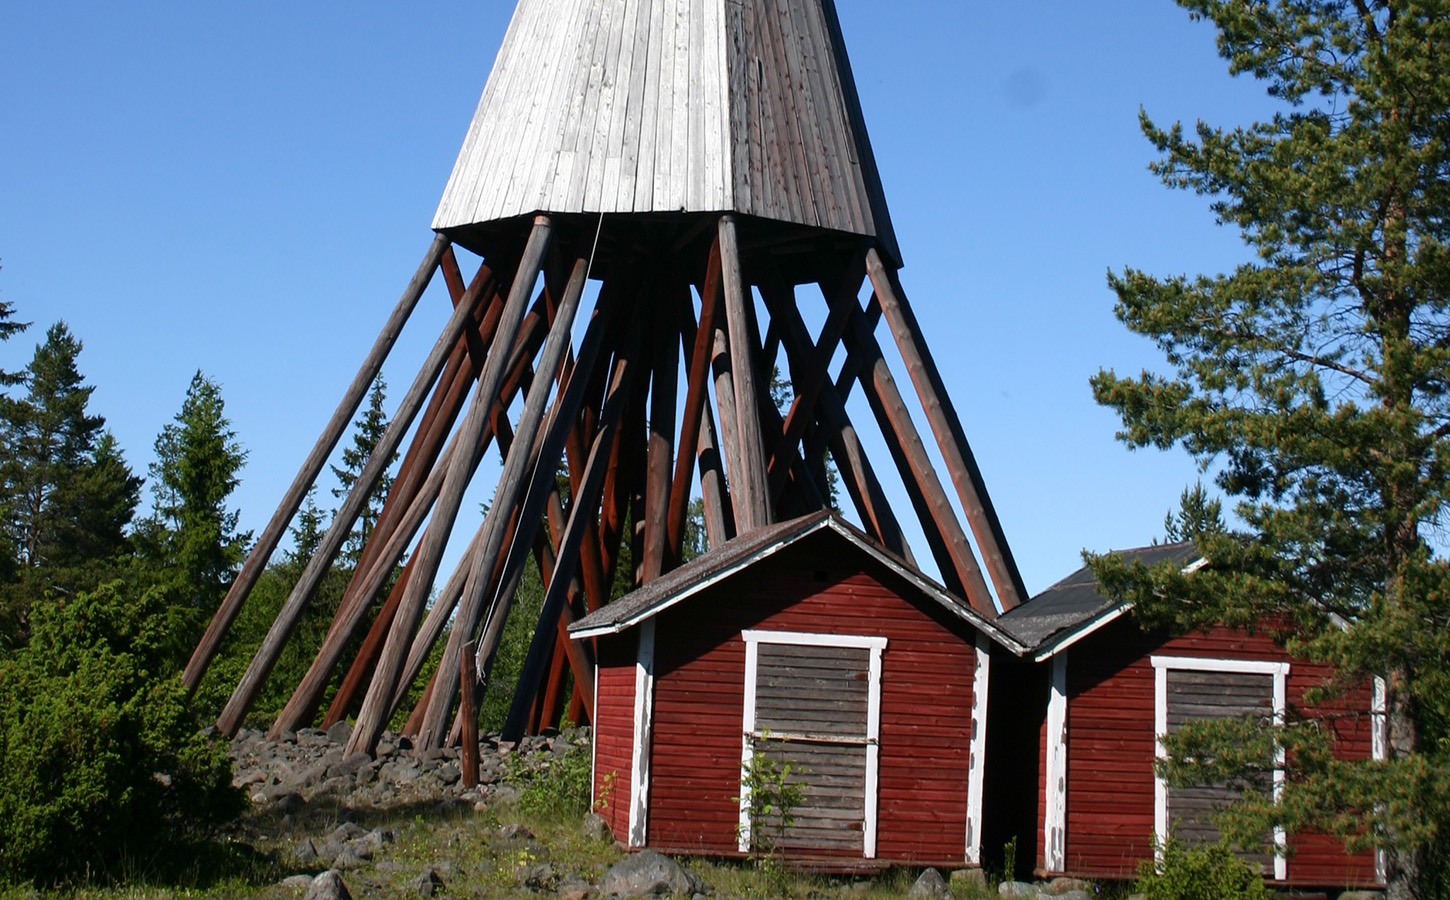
(746, 550)
(1075, 600)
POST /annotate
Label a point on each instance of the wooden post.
(400, 518)
(814, 370)
(568, 554)
(373, 715)
(947, 427)
(267, 542)
(373, 569)
(850, 369)
(467, 677)
(697, 348)
(748, 487)
(513, 483)
(851, 460)
(728, 444)
(917, 470)
(352, 680)
(665, 364)
(266, 656)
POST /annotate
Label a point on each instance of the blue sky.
(245, 189)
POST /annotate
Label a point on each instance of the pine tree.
(68, 494)
(9, 553)
(8, 329)
(368, 430)
(1317, 379)
(193, 535)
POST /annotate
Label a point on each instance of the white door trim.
(875, 644)
(1161, 666)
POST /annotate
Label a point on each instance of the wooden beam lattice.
(662, 396)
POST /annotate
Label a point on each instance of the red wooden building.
(803, 641)
(1104, 690)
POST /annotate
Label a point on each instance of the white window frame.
(1161, 667)
(876, 644)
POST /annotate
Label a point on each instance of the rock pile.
(308, 766)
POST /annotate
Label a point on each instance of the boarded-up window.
(811, 705)
(1215, 689)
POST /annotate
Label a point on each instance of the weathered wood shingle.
(651, 106)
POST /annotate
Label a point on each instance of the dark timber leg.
(373, 715)
(306, 476)
(266, 656)
(947, 427)
(753, 507)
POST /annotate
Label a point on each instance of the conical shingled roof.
(671, 106)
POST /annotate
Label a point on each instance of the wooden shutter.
(1197, 694)
(811, 712)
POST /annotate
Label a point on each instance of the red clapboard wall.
(1111, 744)
(811, 586)
(614, 731)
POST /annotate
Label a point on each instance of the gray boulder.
(930, 886)
(295, 883)
(305, 852)
(1061, 886)
(596, 828)
(328, 886)
(428, 882)
(572, 887)
(1018, 889)
(649, 873)
(339, 732)
(1362, 895)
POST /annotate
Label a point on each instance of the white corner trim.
(1160, 728)
(747, 742)
(977, 755)
(594, 749)
(873, 748)
(1054, 830)
(875, 644)
(644, 688)
(1379, 739)
(1161, 665)
(1380, 751)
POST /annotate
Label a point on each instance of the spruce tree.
(193, 534)
(1315, 380)
(367, 431)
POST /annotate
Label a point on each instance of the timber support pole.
(947, 427)
(306, 476)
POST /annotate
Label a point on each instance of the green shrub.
(101, 762)
(1210, 872)
(558, 788)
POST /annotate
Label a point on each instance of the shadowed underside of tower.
(705, 162)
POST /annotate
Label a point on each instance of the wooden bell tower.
(703, 161)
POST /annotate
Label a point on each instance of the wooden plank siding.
(926, 699)
(639, 106)
(1111, 747)
(614, 733)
